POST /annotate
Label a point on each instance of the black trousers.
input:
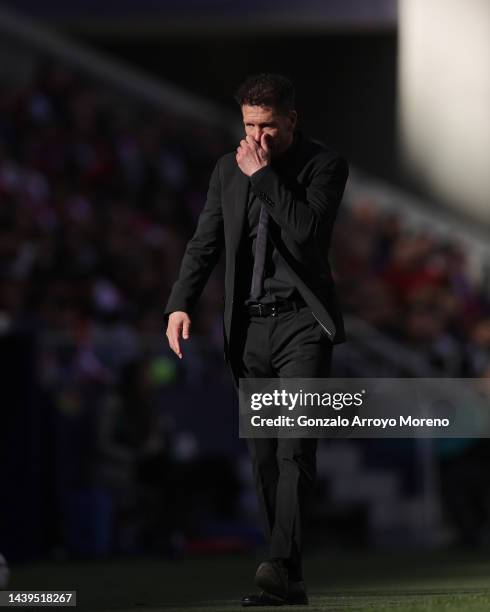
(288, 345)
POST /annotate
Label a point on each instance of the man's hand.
(252, 156)
(179, 324)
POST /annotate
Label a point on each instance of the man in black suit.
(271, 204)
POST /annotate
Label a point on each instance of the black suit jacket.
(303, 207)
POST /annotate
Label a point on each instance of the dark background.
(355, 115)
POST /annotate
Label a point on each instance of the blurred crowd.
(415, 287)
(98, 197)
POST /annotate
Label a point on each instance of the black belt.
(271, 309)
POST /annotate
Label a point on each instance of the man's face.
(260, 120)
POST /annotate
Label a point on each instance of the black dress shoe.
(262, 599)
(296, 597)
(272, 577)
(297, 594)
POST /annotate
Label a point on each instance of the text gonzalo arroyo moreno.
(282, 399)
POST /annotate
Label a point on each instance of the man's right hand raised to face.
(179, 325)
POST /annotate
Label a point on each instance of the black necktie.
(259, 256)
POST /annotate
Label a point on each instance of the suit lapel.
(239, 198)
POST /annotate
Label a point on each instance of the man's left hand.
(252, 156)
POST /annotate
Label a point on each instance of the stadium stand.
(102, 177)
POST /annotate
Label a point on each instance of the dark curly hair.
(267, 89)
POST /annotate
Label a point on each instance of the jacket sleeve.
(303, 216)
(202, 252)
